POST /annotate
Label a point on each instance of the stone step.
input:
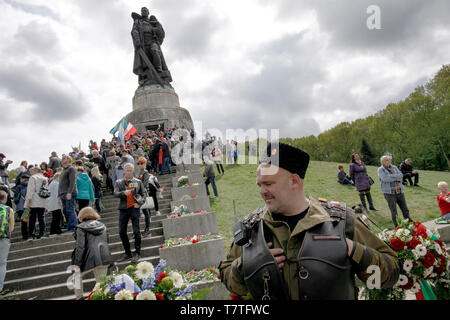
(65, 244)
(60, 276)
(111, 222)
(56, 291)
(112, 228)
(61, 265)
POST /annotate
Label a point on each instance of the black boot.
(369, 198)
(146, 233)
(363, 202)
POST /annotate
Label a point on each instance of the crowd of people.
(392, 179)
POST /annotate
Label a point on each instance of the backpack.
(4, 221)
(44, 192)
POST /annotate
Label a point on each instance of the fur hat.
(286, 157)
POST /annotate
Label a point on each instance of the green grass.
(239, 183)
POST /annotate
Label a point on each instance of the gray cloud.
(36, 39)
(53, 96)
(34, 9)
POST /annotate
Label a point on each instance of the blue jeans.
(166, 162)
(69, 211)
(211, 180)
(4, 250)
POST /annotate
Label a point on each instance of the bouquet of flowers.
(182, 181)
(206, 274)
(423, 259)
(145, 282)
(179, 211)
(172, 242)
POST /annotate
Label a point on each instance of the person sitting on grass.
(443, 200)
(343, 178)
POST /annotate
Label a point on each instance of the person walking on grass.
(210, 176)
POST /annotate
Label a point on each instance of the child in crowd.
(343, 178)
(443, 200)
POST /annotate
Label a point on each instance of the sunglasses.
(140, 163)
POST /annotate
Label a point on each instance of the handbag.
(44, 192)
(148, 204)
(371, 182)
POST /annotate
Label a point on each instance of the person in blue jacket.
(19, 199)
(85, 190)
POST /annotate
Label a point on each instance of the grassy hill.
(239, 183)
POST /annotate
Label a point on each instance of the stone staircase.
(38, 270)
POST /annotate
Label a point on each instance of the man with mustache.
(300, 248)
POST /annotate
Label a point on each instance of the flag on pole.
(122, 127)
(130, 130)
(116, 127)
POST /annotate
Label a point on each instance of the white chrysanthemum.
(96, 287)
(421, 250)
(177, 279)
(144, 269)
(402, 280)
(407, 265)
(438, 249)
(106, 291)
(146, 295)
(123, 295)
(428, 271)
(180, 298)
(415, 288)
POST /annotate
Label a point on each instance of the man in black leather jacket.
(132, 195)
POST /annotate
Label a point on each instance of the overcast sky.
(295, 65)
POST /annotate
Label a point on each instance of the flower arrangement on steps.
(183, 180)
(145, 282)
(424, 264)
(182, 210)
(172, 242)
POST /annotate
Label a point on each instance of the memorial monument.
(155, 102)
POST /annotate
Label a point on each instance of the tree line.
(416, 127)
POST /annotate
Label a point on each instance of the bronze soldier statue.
(149, 63)
(298, 247)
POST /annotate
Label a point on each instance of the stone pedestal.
(219, 291)
(154, 105)
(190, 225)
(198, 190)
(443, 230)
(197, 256)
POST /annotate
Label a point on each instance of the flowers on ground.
(172, 242)
(182, 181)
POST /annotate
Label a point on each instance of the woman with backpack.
(36, 203)
(92, 252)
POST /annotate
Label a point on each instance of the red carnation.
(179, 214)
(397, 244)
(409, 285)
(218, 277)
(195, 241)
(439, 242)
(428, 260)
(173, 217)
(161, 276)
(236, 297)
(162, 246)
(413, 243)
(159, 296)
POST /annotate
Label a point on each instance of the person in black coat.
(91, 253)
(408, 172)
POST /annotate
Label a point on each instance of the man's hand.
(136, 206)
(127, 192)
(414, 171)
(69, 196)
(278, 255)
(349, 246)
